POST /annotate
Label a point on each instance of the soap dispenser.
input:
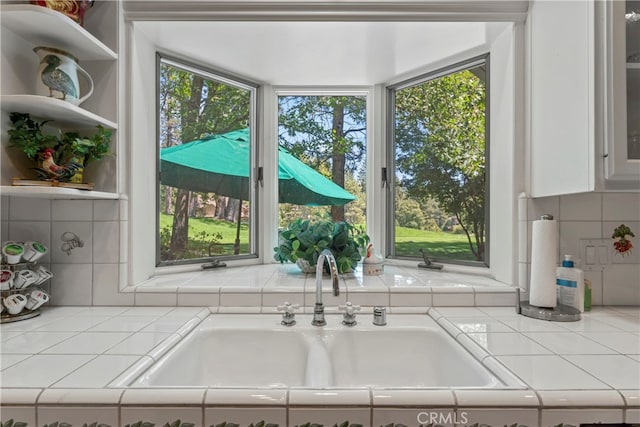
(570, 284)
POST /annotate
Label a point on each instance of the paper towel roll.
(544, 250)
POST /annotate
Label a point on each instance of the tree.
(326, 132)
(440, 148)
(192, 107)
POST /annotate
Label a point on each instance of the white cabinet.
(622, 66)
(26, 26)
(577, 101)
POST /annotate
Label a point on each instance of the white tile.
(73, 323)
(149, 311)
(489, 398)
(616, 370)
(554, 417)
(448, 299)
(7, 360)
(98, 372)
(479, 324)
(88, 343)
(29, 209)
(26, 415)
(568, 343)
(198, 299)
(329, 416)
(149, 397)
(632, 416)
(39, 231)
(5, 334)
(631, 397)
(236, 299)
(507, 343)
(42, 370)
(78, 416)
(622, 342)
(72, 284)
(581, 398)
(244, 416)
(245, 397)
(19, 396)
(106, 210)
(139, 343)
(497, 417)
(124, 210)
(502, 299)
(396, 417)
(624, 323)
(82, 253)
(406, 299)
(620, 206)
(415, 397)
(550, 373)
(34, 342)
(75, 396)
(106, 242)
(124, 242)
(589, 324)
(161, 415)
(167, 324)
(273, 297)
(123, 323)
(322, 397)
(156, 298)
(620, 284)
(634, 356)
(572, 231)
(4, 208)
(581, 207)
(71, 210)
(106, 286)
(459, 311)
(527, 324)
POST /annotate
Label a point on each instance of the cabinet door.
(561, 65)
(622, 91)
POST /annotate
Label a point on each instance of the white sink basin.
(256, 351)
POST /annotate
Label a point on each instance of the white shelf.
(46, 27)
(62, 112)
(633, 65)
(55, 193)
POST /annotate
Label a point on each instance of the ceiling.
(316, 53)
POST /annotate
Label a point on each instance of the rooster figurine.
(56, 79)
(51, 171)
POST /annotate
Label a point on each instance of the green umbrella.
(220, 164)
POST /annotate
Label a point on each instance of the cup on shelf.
(35, 299)
(12, 252)
(33, 251)
(24, 278)
(15, 303)
(6, 280)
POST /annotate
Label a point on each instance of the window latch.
(260, 176)
(384, 177)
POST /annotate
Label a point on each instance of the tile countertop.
(77, 352)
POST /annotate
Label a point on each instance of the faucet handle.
(288, 315)
(349, 317)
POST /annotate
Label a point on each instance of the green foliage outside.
(205, 235)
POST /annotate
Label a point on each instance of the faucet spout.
(318, 310)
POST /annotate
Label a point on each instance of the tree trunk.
(338, 157)
(188, 119)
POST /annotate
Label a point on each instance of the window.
(328, 134)
(438, 189)
(206, 157)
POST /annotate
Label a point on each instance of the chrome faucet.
(318, 309)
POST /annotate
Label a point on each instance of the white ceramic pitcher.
(57, 75)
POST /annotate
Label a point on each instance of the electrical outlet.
(595, 254)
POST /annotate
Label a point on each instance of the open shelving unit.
(26, 26)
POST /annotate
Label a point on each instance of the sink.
(229, 350)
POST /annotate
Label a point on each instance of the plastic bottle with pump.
(570, 284)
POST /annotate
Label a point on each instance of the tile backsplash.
(84, 241)
(89, 269)
(590, 216)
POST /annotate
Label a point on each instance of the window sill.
(263, 287)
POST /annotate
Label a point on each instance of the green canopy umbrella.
(220, 164)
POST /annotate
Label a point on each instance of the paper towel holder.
(560, 313)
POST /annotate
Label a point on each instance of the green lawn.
(212, 226)
(438, 244)
(408, 240)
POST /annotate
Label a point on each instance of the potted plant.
(302, 241)
(59, 158)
